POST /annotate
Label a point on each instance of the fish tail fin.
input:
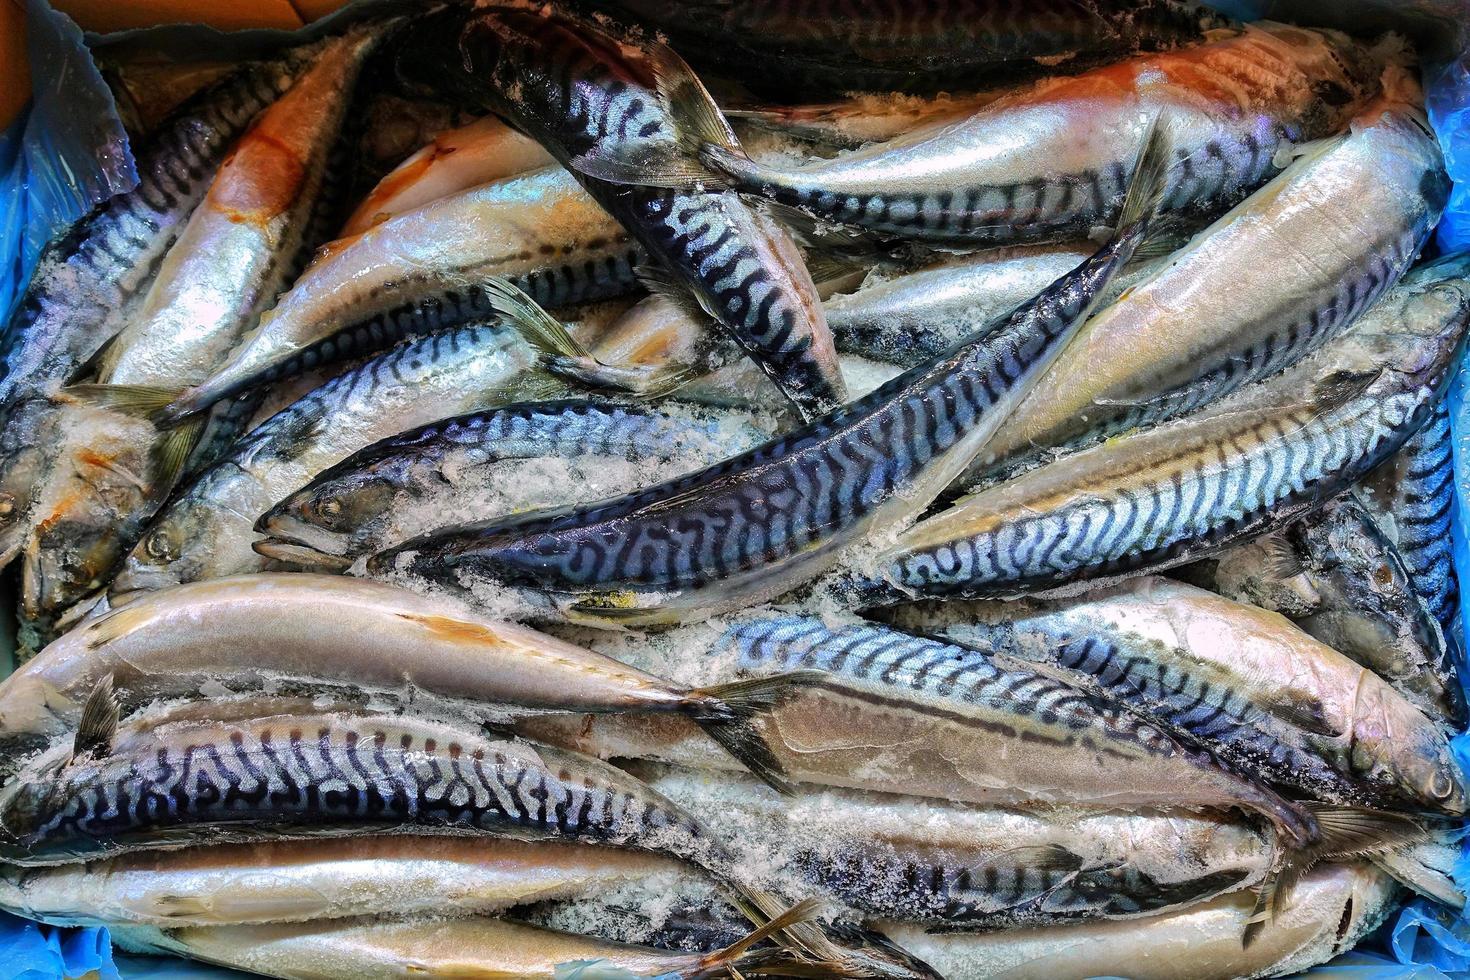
(541, 330)
(1149, 180)
(676, 163)
(728, 714)
(141, 401)
(812, 949)
(724, 962)
(1346, 831)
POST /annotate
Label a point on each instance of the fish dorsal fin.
(99, 721)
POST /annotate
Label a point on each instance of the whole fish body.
(424, 271)
(1412, 497)
(207, 529)
(1052, 159)
(462, 469)
(578, 91)
(868, 707)
(486, 949)
(333, 774)
(87, 280)
(234, 255)
(964, 867)
(1339, 577)
(1240, 468)
(1273, 279)
(838, 47)
(1261, 694)
(321, 636)
(310, 880)
(1329, 910)
(478, 153)
(767, 520)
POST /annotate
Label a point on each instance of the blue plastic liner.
(68, 151)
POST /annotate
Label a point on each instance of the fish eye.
(1383, 575)
(1441, 786)
(7, 506)
(325, 512)
(159, 546)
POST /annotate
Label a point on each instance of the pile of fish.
(745, 490)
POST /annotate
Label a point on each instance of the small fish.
(1329, 910)
(491, 949)
(463, 468)
(961, 868)
(207, 529)
(1052, 159)
(774, 46)
(238, 250)
(1285, 271)
(1259, 693)
(1339, 577)
(1243, 467)
(90, 278)
(334, 774)
(427, 271)
(311, 880)
(454, 161)
(600, 98)
(778, 515)
(341, 638)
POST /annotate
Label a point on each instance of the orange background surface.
(116, 15)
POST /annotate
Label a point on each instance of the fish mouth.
(298, 554)
(290, 539)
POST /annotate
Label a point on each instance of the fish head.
(332, 520)
(1425, 326)
(1399, 750)
(176, 548)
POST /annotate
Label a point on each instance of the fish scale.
(579, 91)
(769, 518)
(87, 280)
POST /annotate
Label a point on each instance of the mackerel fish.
(206, 530)
(1241, 468)
(1260, 694)
(89, 279)
(584, 94)
(426, 271)
(310, 880)
(357, 642)
(779, 46)
(961, 867)
(335, 774)
(776, 516)
(1336, 574)
(464, 469)
(1052, 160)
(1330, 909)
(1336, 228)
(236, 252)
